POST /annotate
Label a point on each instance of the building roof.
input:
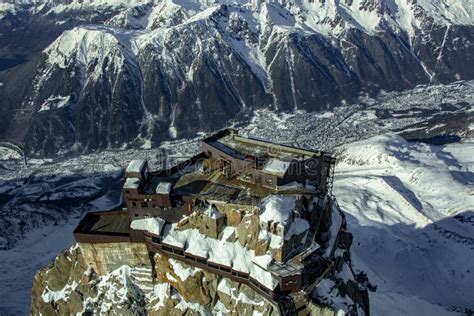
(153, 225)
(220, 192)
(291, 267)
(136, 166)
(212, 212)
(276, 166)
(229, 142)
(131, 183)
(163, 188)
(227, 149)
(105, 223)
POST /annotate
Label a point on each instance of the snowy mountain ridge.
(326, 17)
(410, 207)
(135, 73)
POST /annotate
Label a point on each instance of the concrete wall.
(234, 216)
(315, 169)
(100, 238)
(211, 226)
(138, 208)
(266, 179)
(291, 282)
(238, 166)
(106, 257)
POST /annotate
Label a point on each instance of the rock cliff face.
(125, 279)
(136, 73)
(126, 287)
(107, 257)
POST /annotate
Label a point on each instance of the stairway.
(142, 277)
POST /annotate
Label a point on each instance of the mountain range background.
(81, 76)
(386, 85)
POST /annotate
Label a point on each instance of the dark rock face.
(133, 83)
(452, 60)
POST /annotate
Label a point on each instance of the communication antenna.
(24, 159)
(92, 163)
(95, 163)
(164, 159)
(21, 146)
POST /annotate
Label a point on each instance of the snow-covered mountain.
(138, 72)
(410, 206)
(406, 203)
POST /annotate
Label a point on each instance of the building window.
(134, 204)
(156, 240)
(127, 191)
(144, 204)
(213, 266)
(268, 181)
(178, 252)
(189, 257)
(136, 215)
(280, 230)
(261, 287)
(201, 260)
